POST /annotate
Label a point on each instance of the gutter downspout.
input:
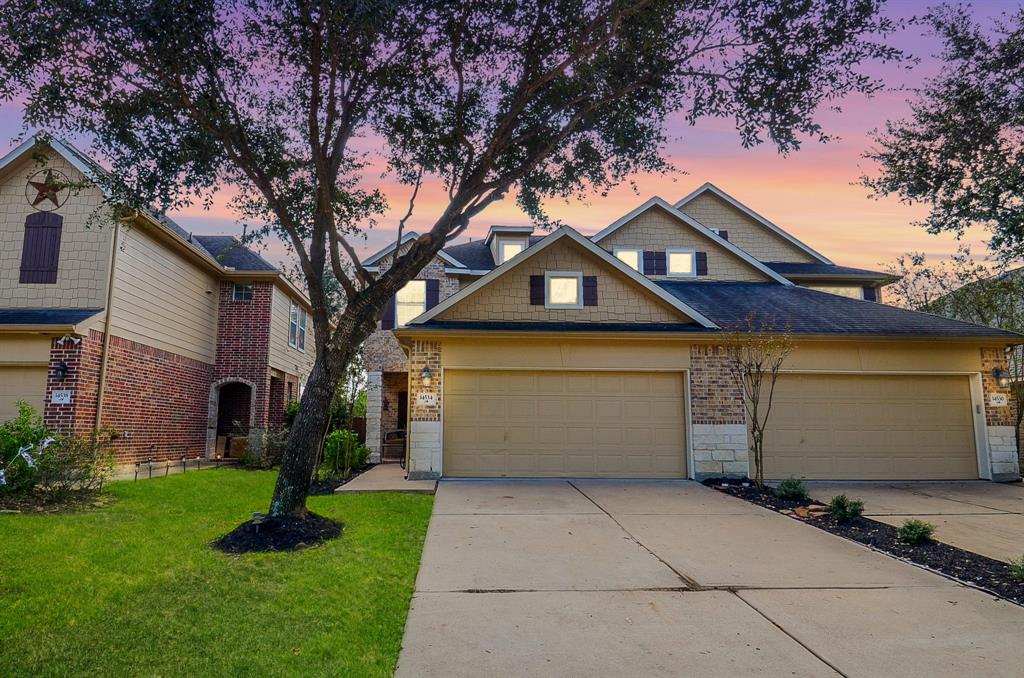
(105, 354)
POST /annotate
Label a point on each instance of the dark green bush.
(76, 463)
(1017, 569)
(914, 531)
(24, 431)
(342, 453)
(791, 488)
(290, 410)
(843, 508)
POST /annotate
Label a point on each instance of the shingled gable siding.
(719, 431)
(749, 235)
(508, 298)
(656, 230)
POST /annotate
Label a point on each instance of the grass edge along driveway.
(134, 589)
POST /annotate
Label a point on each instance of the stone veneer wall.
(1000, 421)
(719, 434)
(425, 415)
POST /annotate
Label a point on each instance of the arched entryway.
(231, 418)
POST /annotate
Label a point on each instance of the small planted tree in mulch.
(756, 350)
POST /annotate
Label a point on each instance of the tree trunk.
(302, 450)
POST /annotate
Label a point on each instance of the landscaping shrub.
(1017, 569)
(290, 410)
(342, 453)
(843, 509)
(266, 448)
(24, 432)
(791, 488)
(914, 531)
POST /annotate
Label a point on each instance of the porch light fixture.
(426, 377)
(61, 371)
(1001, 376)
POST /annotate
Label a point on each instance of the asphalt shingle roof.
(806, 311)
(792, 268)
(228, 251)
(45, 316)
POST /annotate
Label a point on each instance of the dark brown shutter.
(870, 294)
(433, 293)
(590, 290)
(536, 290)
(40, 252)
(655, 263)
(388, 321)
(702, 263)
(648, 265)
(723, 234)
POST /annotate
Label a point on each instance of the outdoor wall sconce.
(1001, 376)
(426, 377)
(61, 371)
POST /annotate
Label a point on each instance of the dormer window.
(682, 263)
(631, 256)
(563, 289)
(508, 249)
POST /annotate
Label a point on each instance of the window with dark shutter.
(536, 290)
(387, 322)
(40, 252)
(433, 293)
(702, 263)
(590, 290)
(870, 294)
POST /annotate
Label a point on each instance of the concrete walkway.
(613, 578)
(387, 478)
(978, 516)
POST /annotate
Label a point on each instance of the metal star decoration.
(47, 189)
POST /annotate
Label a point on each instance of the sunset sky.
(811, 193)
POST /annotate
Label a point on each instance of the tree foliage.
(293, 105)
(961, 151)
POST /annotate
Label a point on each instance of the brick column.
(719, 434)
(999, 419)
(424, 411)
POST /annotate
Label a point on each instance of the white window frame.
(680, 250)
(523, 244)
(297, 325)
(639, 256)
(548, 275)
(397, 303)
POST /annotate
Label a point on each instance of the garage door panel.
(612, 424)
(871, 427)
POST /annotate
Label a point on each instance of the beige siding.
(751, 236)
(656, 229)
(84, 251)
(564, 353)
(24, 350)
(162, 299)
(282, 356)
(507, 298)
(21, 382)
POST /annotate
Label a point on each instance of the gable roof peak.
(708, 187)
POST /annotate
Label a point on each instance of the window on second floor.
(508, 249)
(563, 290)
(242, 292)
(297, 327)
(410, 301)
(682, 263)
(631, 256)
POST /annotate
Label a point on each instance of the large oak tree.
(489, 98)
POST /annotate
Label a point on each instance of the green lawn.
(133, 589)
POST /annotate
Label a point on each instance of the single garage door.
(21, 383)
(569, 424)
(871, 427)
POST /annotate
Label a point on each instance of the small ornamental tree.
(293, 105)
(756, 351)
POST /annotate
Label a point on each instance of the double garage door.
(563, 423)
(632, 425)
(21, 383)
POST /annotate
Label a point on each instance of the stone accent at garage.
(719, 433)
(1000, 421)
(425, 411)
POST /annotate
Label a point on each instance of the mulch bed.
(41, 502)
(964, 566)
(322, 487)
(261, 535)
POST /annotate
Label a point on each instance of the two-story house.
(531, 354)
(182, 345)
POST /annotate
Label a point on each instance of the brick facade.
(243, 344)
(425, 411)
(1000, 420)
(719, 430)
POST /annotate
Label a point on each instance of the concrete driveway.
(978, 516)
(654, 578)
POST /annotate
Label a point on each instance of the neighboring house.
(181, 344)
(562, 355)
